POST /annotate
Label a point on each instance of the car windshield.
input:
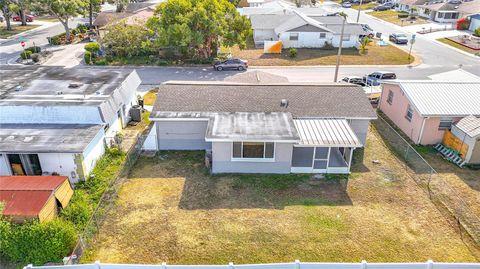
(401, 35)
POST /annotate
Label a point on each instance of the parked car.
(232, 64)
(354, 80)
(375, 78)
(28, 18)
(346, 5)
(382, 8)
(398, 38)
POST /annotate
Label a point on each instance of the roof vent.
(18, 88)
(75, 84)
(284, 103)
(59, 92)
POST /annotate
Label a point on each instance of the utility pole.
(359, 8)
(90, 26)
(412, 41)
(340, 45)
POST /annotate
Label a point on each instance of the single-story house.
(425, 109)
(474, 22)
(297, 30)
(447, 11)
(58, 121)
(34, 197)
(269, 128)
(134, 13)
(407, 5)
(467, 139)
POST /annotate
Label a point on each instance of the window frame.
(390, 96)
(246, 159)
(322, 35)
(409, 112)
(443, 128)
(292, 35)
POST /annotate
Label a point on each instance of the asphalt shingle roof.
(182, 99)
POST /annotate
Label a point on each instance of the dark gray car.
(231, 64)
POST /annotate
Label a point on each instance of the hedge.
(87, 57)
(92, 47)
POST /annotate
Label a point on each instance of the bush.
(328, 46)
(92, 47)
(82, 28)
(101, 62)
(35, 57)
(292, 52)
(403, 15)
(79, 209)
(26, 54)
(36, 243)
(35, 49)
(74, 31)
(162, 62)
(477, 32)
(87, 56)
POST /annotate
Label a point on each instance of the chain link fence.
(448, 200)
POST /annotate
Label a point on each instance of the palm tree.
(363, 44)
(344, 16)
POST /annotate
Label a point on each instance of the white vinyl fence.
(295, 265)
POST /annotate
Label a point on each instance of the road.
(436, 58)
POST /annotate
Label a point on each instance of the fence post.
(164, 265)
(297, 264)
(230, 265)
(97, 264)
(429, 264)
(406, 157)
(364, 264)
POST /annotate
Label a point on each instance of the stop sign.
(22, 43)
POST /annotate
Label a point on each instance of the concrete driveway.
(68, 56)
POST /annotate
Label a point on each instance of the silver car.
(231, 64)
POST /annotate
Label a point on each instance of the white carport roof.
(326, 132)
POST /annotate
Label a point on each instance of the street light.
(359, 8)
(341, 14)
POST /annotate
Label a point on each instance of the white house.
(297, 30)
(58, 121)
(441, 11)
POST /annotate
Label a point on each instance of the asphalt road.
(436, 58)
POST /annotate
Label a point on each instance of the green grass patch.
(16, 29)
(459, 46)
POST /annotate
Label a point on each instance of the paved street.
(436, 58)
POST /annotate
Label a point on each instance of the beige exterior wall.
(49, 211)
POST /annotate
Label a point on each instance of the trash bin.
(136, 113)
(378, 35)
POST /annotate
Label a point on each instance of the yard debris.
(376, 161)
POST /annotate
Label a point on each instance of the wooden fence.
(294, 265)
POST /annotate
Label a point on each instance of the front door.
(25, 164)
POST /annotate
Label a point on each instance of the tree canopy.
(65, 9)
(198, 27)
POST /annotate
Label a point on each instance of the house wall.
(61, 163)
(467, 140)
(93, 152)
(360, 128)
(222, 160)
(437, 17)
(150, 142)
(49, 210)
(182, 135)
(313, 40)
(260, 35)
(474, 24)
(475, 157)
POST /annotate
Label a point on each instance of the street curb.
(458, 50)
(39, 28)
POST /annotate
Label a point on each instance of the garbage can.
(136, 113)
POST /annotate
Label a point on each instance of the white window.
(253, 150)
(409, 114)
(323, 35)
(445, 123)
(293, 36)
(390, 97)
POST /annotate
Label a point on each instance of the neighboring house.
(58, 121)
(269, 128)
(447, 11)
(474, 22)
(135, 13)
(407, 5)
(467, 138)
(298, 30)
(34, 197)
(425, 109)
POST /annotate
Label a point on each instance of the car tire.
(219, 68)
(240, 68)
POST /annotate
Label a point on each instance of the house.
(58, 121)
(34, 197)
(297, 30)
(425, 109)
(135, 13)
(263, 128)
(447, 11)
(474, 22)
(465, 138)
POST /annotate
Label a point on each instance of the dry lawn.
(459, 46)
(16, 29)
(171, 210)
(376, 55)
(391, 16)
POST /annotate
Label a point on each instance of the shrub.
(79, 209)
(328, 46)
(101, 62)
(292, 52)
(26, 54)
(87, 57)
(35, 57)
(477, 32)
(92, 47)
(403, 15)
(82, 28)
(34, 49)
(462, 24)
(36, 243)
(74, 31)
(162, 62)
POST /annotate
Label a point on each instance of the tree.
(7, 7)
(198, 27)
(22, 6)
(122, 39)
(364, 43)
(66, 9)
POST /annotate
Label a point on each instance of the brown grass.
(375, 55)
(16, 29)
(458, 46)
(171, 210)
(392, 17)
(150, 97)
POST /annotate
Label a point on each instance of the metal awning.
(326, 132)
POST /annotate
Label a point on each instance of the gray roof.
(199, 99)
(256, 77)
(51, 86)
(268, 21)
(44, 138)
(300, 20)
(245, 126)
(326, 132)
(469, 125)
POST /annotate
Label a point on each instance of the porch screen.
(302, 156)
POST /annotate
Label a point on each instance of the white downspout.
(421, 130)
(350, 161)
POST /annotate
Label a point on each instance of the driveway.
(68, 56)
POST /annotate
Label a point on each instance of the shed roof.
(38, 138)
(455, 75)
(326, 132)
(244, 126)
(27, 195)
(192, 99)
(440, 98)
(469, 125)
